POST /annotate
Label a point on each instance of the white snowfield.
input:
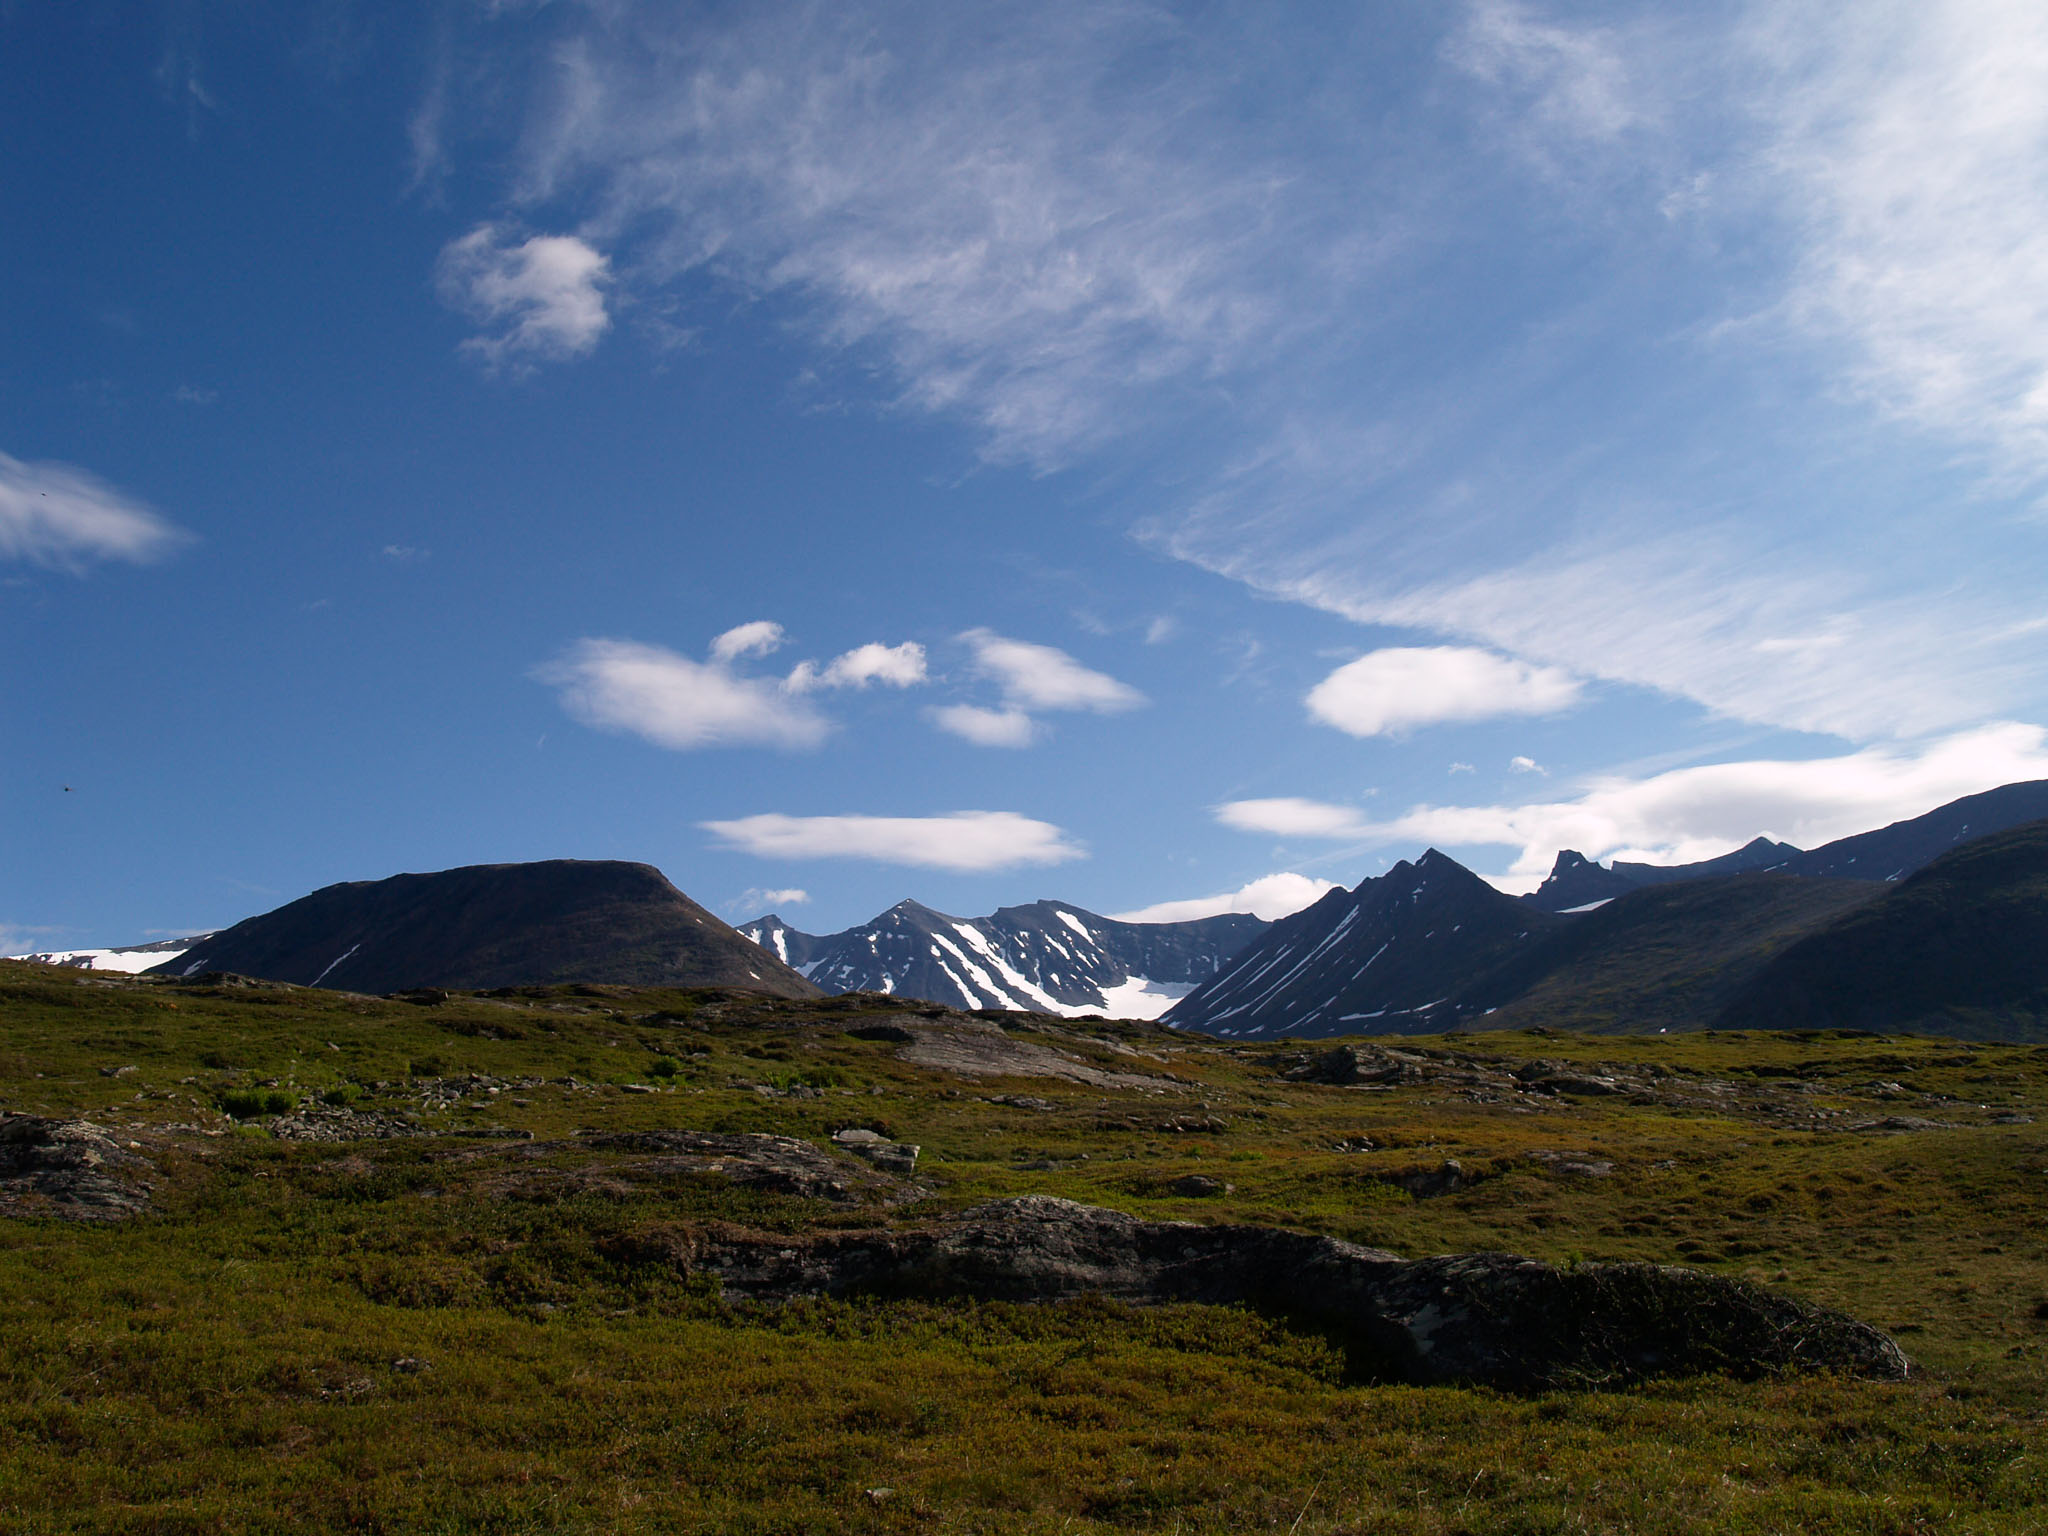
(129, 960)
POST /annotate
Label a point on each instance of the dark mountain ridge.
(1389, 956)
(1888, 853)
(495, 925)
(1959, 948)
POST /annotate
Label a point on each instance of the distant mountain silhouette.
(1889, 853)
(495, 925)
(1959, 948)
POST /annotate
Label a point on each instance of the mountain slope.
(1959, 948)
(1387, 957)
(1888, 853)
(495, 925)
(1667, 957)
(1047, 956)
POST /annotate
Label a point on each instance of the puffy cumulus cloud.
(1045, 677)
(542, 297)
(674, 702)
(1288, 816)
(58, 516)
(1271, 897)
(897, 666)
(1407, 686)
(961, 841)
(1696, 813)
(768, 898)
(758, 637)
(986, 727)
(683, 704)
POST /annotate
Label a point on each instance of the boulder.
(71, 1169)
(1486, 1318)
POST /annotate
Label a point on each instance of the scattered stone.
(1447, 1178)
(1199, 1186)
(1575, 1165)
(71, 1169)
(118, 1071)
(332, 1122)
(891, 1034)
(1489, 1318)
(978, 1048)
(782, 1164)
(1903, 1123)
(892, 1156)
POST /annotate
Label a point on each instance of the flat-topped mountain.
(1888, 853)
(1046, 956)
(495, 925)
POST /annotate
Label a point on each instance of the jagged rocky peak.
(1045, 956)
(1389, 955)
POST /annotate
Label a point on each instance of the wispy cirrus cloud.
(1647, 437)
(960, 841)
(1692, 813)
(63, 517)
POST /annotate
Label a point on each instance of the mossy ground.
(415, 1335)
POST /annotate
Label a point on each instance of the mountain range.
(1046, 957)
(1575, 882)
(1939, 923)
(1951, 944)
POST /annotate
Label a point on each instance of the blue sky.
(1159, 456)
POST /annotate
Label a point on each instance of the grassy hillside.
(489, 1323)
(1960, 947)
(1666, 957)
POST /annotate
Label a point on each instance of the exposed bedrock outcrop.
(69, 1168)
(1483, 1318)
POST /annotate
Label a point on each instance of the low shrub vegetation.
(450, 1327)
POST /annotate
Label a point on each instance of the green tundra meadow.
(460, 1318)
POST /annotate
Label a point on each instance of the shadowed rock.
(1483, 1318)
(68, 1168)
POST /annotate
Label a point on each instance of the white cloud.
(962, 841)
(405, 554)
(1070, 223)
(758, 637)
(1695, 813)
(897, 666)
(986, 727)
(675, 702)
(1520, 764)
(543, 296)
(759, 899)
(59, 516)
(1572, 79)
(1906, 152)
(1044, 677)
(1271, 897)
(1291, 817)
(1400, 688)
